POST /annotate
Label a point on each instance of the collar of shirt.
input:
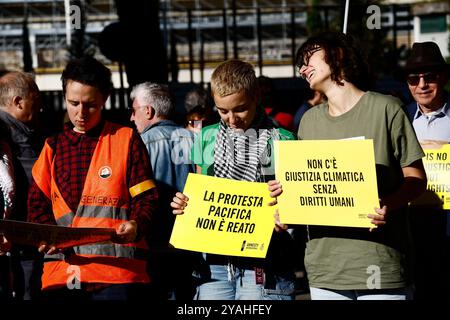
(441, 112)
(75, 137)
(160, 123)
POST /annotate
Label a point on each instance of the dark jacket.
(25, 148)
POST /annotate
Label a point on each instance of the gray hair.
(16, 83)
(156, 95)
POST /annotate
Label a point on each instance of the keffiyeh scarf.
(240, 155)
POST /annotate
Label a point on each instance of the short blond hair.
(233, 76)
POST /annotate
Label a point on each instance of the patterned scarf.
(240, 155)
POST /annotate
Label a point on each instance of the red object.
(284, 119)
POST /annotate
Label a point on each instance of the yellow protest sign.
(224, 216)
(437, 168)
(326, 182)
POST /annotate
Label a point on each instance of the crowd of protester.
(53, 180)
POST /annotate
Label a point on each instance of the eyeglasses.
(303, 59)
(429, 77)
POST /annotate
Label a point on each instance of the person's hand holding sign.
(126, 232)
(276, 189)
(379, 218)
(48, 248)
(179, 202)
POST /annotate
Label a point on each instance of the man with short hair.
(94, 173)
(426, 75)
(169, 147)
(20, 102)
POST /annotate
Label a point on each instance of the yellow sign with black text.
(224, 216)
(437, 167)
(326, 182)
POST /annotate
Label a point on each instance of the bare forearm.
(414, 184)
(412, 188)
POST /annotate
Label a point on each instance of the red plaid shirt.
(72, 164)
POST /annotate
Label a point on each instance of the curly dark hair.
(344, 56)
(89, 71)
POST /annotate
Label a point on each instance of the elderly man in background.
(169, 147)
(427, 74)
(20, 102)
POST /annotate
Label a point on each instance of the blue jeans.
(231, 283)
(375, 294)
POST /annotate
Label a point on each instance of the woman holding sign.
(240, 147)
(355, 263)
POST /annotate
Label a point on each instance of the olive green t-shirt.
(344, 258)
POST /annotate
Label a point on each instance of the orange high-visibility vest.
(104, 204)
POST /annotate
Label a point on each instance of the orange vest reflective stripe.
(103, 204)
